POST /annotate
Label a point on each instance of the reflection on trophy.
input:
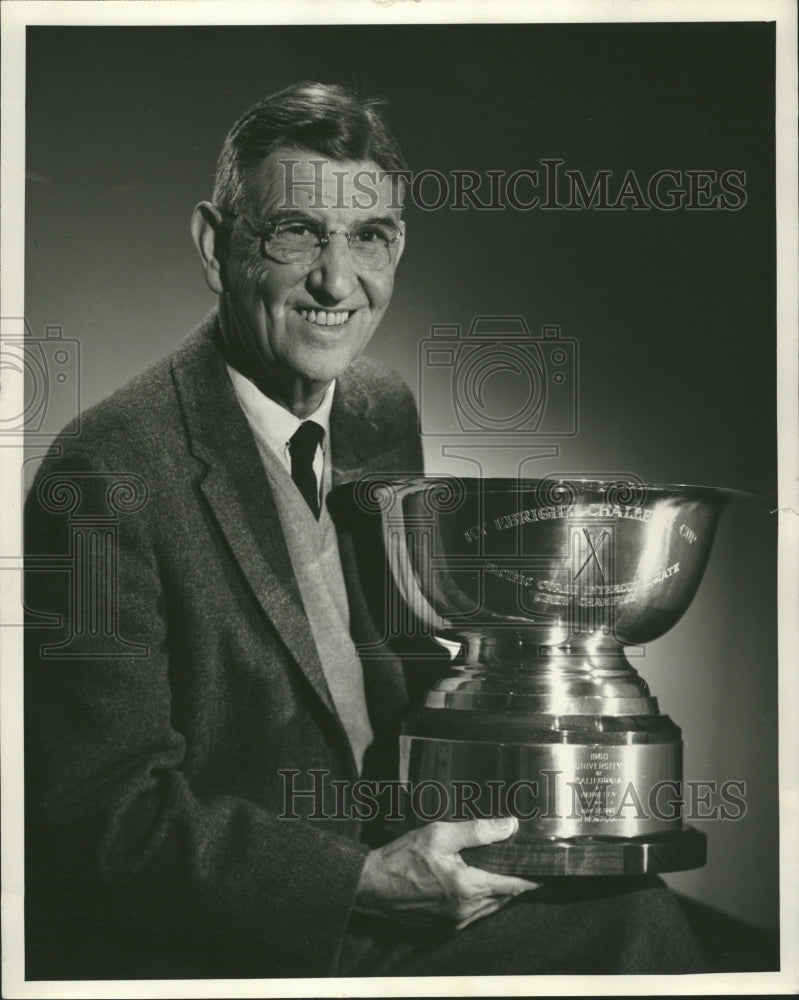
(541, 584)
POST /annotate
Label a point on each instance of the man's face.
(309, 321)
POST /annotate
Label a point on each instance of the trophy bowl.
(540, 585)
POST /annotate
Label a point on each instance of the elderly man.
(206, 641)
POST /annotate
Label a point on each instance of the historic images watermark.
(92, 505)
(499, 377)
(550, 796)
(549, 185)
(48, 372)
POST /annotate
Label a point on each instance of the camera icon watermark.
(499, 379)
(39, 380)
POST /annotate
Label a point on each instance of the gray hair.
(314, 117)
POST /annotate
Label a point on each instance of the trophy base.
(547, 857)
(594, 795)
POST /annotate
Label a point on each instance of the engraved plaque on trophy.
(542, 584)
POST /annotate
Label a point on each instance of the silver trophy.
(541, 584)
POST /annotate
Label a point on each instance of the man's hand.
(421, 877)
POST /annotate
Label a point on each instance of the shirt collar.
(270, 420)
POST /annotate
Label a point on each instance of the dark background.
(673, 312)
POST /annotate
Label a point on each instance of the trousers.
(624, 925)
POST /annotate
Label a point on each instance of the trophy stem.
(514, 671)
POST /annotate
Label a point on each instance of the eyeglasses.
(301, 240)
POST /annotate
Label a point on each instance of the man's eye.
(296, 229)
(371, 236)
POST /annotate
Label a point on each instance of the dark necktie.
(302, 448)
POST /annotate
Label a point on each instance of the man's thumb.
(476, 832)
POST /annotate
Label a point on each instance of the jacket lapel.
(238, 493)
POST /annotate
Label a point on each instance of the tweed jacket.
(171, 675)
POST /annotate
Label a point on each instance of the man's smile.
(326, 317)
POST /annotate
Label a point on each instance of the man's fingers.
(449, 838)
(497, 885)
(483, 911)
(500, 893)
(514, 886)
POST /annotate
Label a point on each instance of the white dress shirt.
(276, 425)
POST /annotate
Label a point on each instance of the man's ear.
(206, 231)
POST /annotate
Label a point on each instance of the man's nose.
(333, 275)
